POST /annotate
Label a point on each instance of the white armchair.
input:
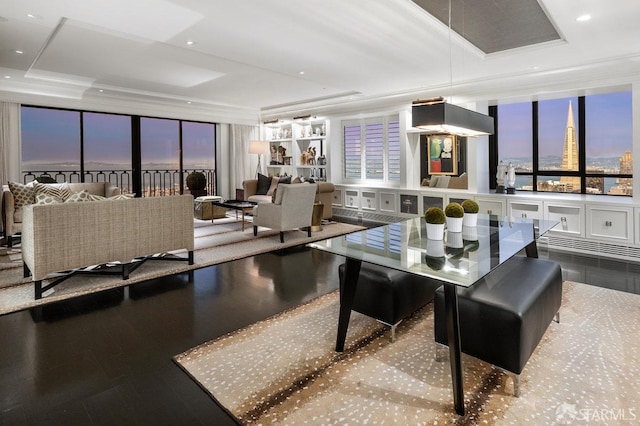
(291, 209)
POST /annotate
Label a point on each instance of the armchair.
(291, 209)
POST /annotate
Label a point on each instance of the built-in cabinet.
(298, 148)
(605, 226)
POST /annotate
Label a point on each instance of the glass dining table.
(459, 260)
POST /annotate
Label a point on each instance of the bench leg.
(38, 289)
(441, 352)
(516, 384)
(556, 318)
(393, 331)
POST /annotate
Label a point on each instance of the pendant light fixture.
(437, 116)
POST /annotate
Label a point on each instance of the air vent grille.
(594, 247)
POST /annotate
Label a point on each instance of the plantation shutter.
(374, 150)
(352, 152)
(393, 151)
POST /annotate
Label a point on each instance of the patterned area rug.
(215, 243)
(284, 370)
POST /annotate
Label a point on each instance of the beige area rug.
(284, 370)
(215, 243)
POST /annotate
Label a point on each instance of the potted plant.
(454, 213)
(434, 216)
(470, 212)
(197, 182)
(435, 256)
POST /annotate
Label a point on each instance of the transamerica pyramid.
(570, 154)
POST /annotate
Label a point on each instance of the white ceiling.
(249, 54)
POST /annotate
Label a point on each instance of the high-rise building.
(570, 154)
(624, 185)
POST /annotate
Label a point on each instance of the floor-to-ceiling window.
(571, 145)
(83, 146)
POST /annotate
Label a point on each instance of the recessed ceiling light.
(19, 52)
(189, 102)
(190, 42)
(7, 76)
(32, 16)
(583, 18)
(100, 90)
(301, 73)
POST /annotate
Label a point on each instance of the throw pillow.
(274, 185)
(121, 197)
(284, 179)
(264, 183)
(79, 197)
(273, 196)
(296, 180)
(60, 190)
(95, 197)
(44, 198)
(22, 194)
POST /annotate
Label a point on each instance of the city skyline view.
(608, 127)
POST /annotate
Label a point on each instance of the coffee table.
(238, 206)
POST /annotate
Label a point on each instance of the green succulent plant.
(434, 215)
(196, 181)
(454, 210)
(470, 206)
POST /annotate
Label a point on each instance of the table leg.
(347, 295)
(243, 217)
(453, 338)
(531, 249)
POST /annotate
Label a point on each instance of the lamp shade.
(442, 117)
(258, 147)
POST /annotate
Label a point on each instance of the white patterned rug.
(215, 243)
(586, 369)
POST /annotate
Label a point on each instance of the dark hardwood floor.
(106, 359)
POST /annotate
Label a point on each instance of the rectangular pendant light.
(441, 117)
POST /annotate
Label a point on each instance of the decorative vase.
(435, 231)
(470, 219)
(454, 224)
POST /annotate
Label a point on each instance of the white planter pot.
(470, 219)
(454, 224)
(435, 231)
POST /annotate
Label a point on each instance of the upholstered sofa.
(65, 236)
(324, 194)
(12, 207)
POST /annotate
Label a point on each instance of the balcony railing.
(154, 182)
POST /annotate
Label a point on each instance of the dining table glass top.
(460, 258)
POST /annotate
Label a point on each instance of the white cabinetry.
(494, 206)
(298, 148)
(525, 209)
(570, 218)
(610, 223)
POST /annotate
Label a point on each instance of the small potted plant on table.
(454, 213)
(434, 216)
(470, 208)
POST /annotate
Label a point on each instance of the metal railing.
(156, 182)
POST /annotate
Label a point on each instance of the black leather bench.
(504, 315)
(389, 295)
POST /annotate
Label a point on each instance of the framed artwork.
(442, 152)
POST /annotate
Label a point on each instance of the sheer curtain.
(10, 142)
(240, 160)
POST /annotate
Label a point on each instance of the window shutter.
(352, 152)
(374, 151)
(393, 151)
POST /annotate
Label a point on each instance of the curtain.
(240, 160)
(10, 142)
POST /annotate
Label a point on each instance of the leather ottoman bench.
(504, 315)
(389, 295)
